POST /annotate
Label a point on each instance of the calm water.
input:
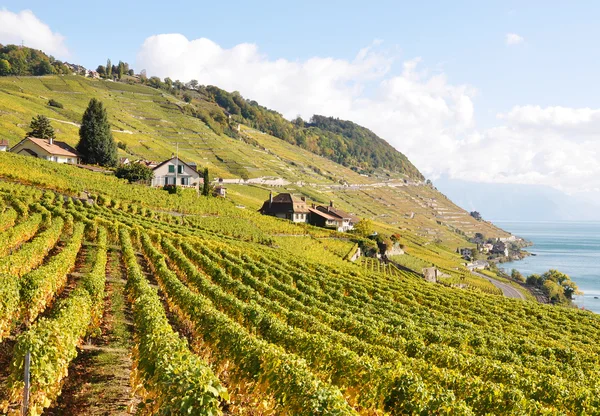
(570, 247)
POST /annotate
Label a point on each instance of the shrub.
(134, 172)
(53, 103)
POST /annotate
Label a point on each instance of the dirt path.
(99, 378)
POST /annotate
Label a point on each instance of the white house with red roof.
(48, 149)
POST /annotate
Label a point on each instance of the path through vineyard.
(99, 378)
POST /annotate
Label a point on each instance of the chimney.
(331, 204)
(270, 199)
(51, 141)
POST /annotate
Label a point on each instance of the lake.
(570, 247)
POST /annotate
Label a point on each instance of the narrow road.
(507, 290)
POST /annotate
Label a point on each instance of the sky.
(488, 92)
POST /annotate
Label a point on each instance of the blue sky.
(555, 65)
(438, 80)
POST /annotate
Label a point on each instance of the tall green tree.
(206, 186)
(41, 128)
(108, 68)
(96, 143)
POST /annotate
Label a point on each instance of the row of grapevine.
(53, 341)
(169, 378)
(284, 376)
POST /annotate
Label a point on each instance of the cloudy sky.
(477, 91)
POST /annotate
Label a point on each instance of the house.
(477, 265)
(93, 74)
(175, 171)
(3, 145)
(465, 252)
(48, 149)
(321, 219)
(124, 161)
(500, 248)
(286, 206)
(486, 248)
(221, 191)
(344, 221)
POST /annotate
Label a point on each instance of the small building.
(321, 219)
(175, 171)
(344, 221)
(4, 145)
(286, 206)
(48, 149)
(465, 252)
(478, 265)
(124, 161)
(430, 274)
(220, 191)
(486, 248)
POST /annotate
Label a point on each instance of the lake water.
(570, 247)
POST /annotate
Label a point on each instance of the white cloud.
(27, 28)
(419, 112)
(513, 39)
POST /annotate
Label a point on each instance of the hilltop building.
(175, 171)
(286, 206)
(3, 145)
(48, 149)
(293, 208)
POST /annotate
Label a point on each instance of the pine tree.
(206, 186)
(41, 128)
(96, 143)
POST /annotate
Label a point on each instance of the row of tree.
(111, 71)
(23, 61)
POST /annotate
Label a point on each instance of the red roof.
(56, 148)
(3, 142)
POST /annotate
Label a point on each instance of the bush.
(173, 189)
(122, 146)
(53, 103)
(134, 172)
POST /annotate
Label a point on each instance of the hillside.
(190, 302)
(152, 124)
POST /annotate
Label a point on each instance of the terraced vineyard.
(228, 322)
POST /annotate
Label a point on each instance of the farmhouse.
(3, 145)
(344, 221)
(286, 206)
(48, 149)
(175, 171)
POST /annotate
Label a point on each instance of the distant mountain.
(514, 202)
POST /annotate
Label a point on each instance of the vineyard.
(236, 323)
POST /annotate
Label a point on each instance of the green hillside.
(152, 124)
(193, 305)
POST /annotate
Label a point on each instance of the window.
(179, 168)
(185, 181)
(171, 168)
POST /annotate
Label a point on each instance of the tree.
(96, 143)
(101, 70)
(108, 68)
(5, 68)
(193, 84)
(364, 227)
(134, 172)
(516, 275)
(476, 215)
(121, 69)
(41, 128)
(206, 185)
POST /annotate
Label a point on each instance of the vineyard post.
(26, 378)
